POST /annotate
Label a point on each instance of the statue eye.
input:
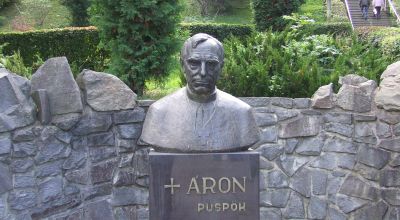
(212, 64)
(193, 63)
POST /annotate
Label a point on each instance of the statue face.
(202, 67)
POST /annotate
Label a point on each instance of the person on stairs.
(364, 5)
(378, 4)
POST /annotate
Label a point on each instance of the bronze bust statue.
(199, 117)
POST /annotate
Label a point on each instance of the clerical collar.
(199, 98)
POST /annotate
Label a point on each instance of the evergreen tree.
(78, 9)
(140, 34)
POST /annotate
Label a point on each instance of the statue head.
(202, 59)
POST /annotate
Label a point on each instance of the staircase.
(358, 20)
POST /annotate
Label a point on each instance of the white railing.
(348, 13)
(393, 9)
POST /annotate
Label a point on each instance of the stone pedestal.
(204, 186)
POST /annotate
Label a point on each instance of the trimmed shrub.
(336, 28)
(268, 14)
(79, 45)
(219, 31)
(140, 35)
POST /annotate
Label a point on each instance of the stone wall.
(69, 149)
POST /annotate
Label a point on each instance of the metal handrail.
(348, 13)
(393, 8)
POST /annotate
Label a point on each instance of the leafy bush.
(78, 9)
(139, 34)
(4, 3)
(79, 45)
(279, 64)
(268, 14)
(219, 31)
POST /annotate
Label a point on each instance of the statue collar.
(200, 98)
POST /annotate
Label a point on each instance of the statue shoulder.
(232, 102)
(168, 102)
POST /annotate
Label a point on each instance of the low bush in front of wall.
(334, 28)
(385, 38)
(285, 65)
(79, 45)
(219, 31)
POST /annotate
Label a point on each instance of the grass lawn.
(58, 16)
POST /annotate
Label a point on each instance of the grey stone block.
(265, 119)
(349, 204)
(58, 70)
(363, 132)
(301, 182)
(263, 179)
(22, 199)
(355, 187)
(129, 196)
(395, 161)
(284, 114)
(340, 145)
(105, 92)
(270, 213)
(317, 209)
(337, 117)
(396, 130)
(24, 181)
(310, 146)
(97, 191)
(129, 131)
(92, 122)
(323, 97)
(373, 157)
(103, 172)
(63, 136)
(5, 143)
(390, 117)
(66, 121)
(302, 127)
(319, 180)
(50, 189)
(124, 177)
(391, 196)
(53, 168)
(390, 144)
(256, 101)
(16, 109)
(101, 153)
(342, 129)
(362, 117)
(24, 149)
(390, 178)
(276, 179)
(301, 103)
(76, 160)
(5, 178)
(126, 160)
(126, 145)
(356, 98)
(77, 176)
(295, 207)
(274, 198)
(129, 116)
(23, 134)
(282, 102)
(100, 210)
(367, 172)
(291, 164)
(52, 149)
(325, 161)
(394, 214)
(41, 99)
(126, 213)
(270, 151)
(21, 165)
(383, 130)
(290, 145)
(346, 161)
(141, 162)
(79, 143)
(334, 214)
(268, 135)
(372, 212)
(352, 79)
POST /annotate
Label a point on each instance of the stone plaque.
(204, 186)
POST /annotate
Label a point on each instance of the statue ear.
(182, 67)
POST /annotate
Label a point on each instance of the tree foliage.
(268, 13)
(140, 35)
(79, 11)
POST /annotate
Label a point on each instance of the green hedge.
(219, 31)
(79, 45)
(336, 28)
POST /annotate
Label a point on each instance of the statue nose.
(203, 71)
